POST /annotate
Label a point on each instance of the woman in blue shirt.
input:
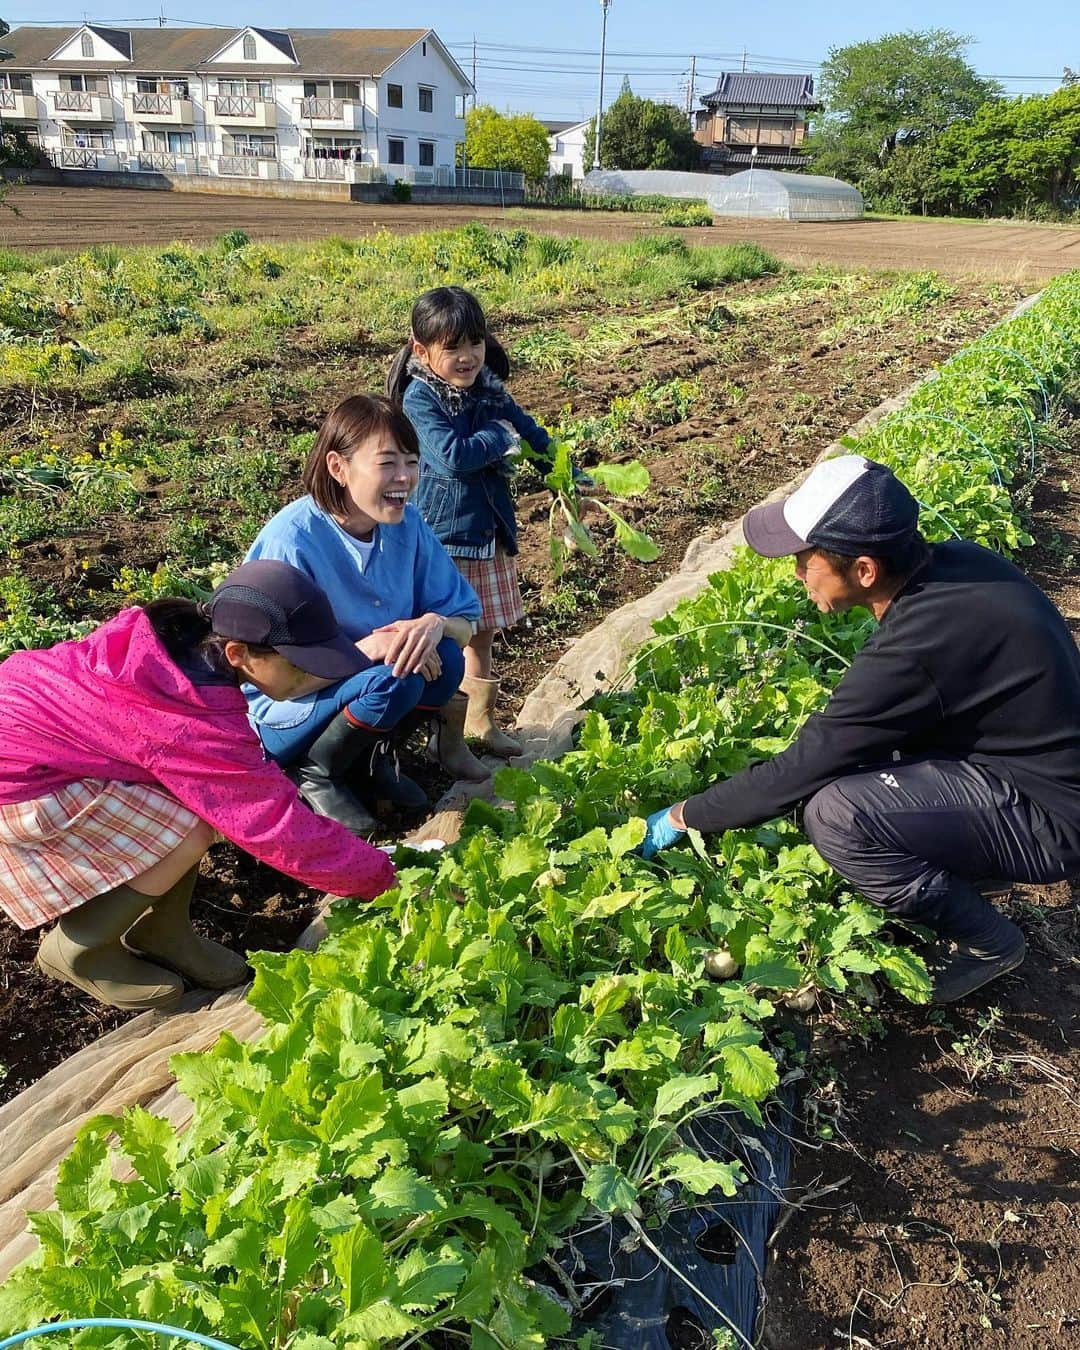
(396, 593)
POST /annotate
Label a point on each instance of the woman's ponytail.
(184, 629)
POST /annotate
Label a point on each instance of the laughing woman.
(396, 594)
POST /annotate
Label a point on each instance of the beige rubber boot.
(165, 933)
(447, 744)
(84, 949)
(480, 721)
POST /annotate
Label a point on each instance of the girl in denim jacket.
(448, 377)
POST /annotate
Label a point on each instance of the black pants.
(913, 838)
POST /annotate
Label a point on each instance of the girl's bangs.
(452, 319)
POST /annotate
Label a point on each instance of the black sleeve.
(884, 699)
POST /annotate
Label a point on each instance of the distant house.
(748, 111)
(567, 149)
(345, 104)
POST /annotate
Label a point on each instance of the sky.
(544, 57)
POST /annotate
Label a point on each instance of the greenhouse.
(757, 193)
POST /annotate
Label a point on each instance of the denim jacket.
(464, 488)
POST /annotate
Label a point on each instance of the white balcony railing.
(19, 103)
(160, 160)
(234, 105)
(159, 104)
(72, 100)
(149, 107)
(248, 166)
(335, 114)
(328, 170)
(323, 109)
(169, 161)
(84, 157)
(243, 108)
(83, 105)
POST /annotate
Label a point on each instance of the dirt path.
(52, 217)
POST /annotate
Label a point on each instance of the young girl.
(448, 377)
(125, 752)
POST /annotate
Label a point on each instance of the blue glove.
(582, 481)
(660, 833)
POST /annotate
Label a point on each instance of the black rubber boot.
(985, 944)
(387, 784)
(342, 750)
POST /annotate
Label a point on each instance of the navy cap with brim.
(768, 533)
(334, 659)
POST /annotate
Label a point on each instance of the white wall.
(568, 147)
(408, 123)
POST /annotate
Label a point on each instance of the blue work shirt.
(406, 574)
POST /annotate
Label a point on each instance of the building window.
(249, 47)
(84, 84)
(395, 151)
(334, 147)
(423, 48)
(87, 45)
(168, 142)
(236, 88)
(427, 154)
(427, 99)
(395, 96)
(250, 145)
(87, 140)
(20, 83)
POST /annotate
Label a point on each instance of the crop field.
(517, 1045)
(74, 217)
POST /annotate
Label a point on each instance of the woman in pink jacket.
(127, 751)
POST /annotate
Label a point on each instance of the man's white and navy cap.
(847, 505)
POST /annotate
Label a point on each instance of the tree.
(514, 141)
(640, 134)
(896, 90)
(1014, 155)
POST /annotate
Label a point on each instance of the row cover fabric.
(756, 194)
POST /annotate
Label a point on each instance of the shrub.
(693, 213)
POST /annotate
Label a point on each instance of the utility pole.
(744, 60)
(162, 20)
(690, 89)
(474, 70)
(605, 5)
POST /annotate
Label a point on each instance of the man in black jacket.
(949, 753)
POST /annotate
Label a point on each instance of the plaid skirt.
(59, 851)
(495, 581)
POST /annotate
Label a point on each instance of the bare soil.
(955, 1148)
(952, 1223)
(775, 388)
(73, 217)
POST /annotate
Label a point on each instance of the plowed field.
(54, 217)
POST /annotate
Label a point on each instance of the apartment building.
(327, 104)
